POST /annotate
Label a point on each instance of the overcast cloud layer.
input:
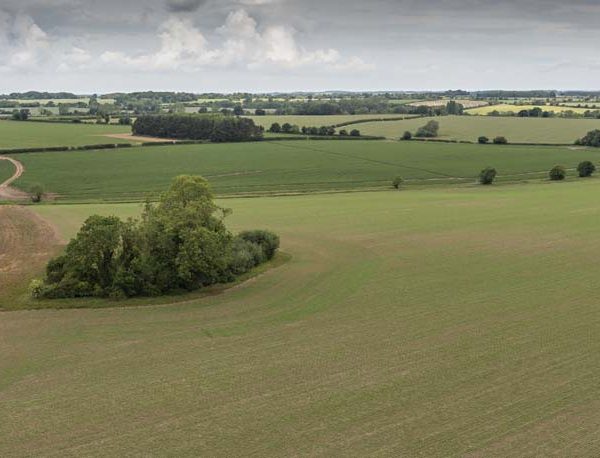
(286, 45)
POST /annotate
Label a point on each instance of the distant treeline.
(216, 128)
(498, 94)
(35, 95)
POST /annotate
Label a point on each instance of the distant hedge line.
(48, 149)
(216, 128)
(362, 121)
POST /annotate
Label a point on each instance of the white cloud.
(184, 47)
(23, 44)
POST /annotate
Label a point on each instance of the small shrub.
(487, 176)
(397, 182)
(500, 140)
(586, 169)
(406, 136)
(355, 133)
(36, 193)
(557, 173)
(343, 133)
(483, 140)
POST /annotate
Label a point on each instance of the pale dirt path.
(6, 191)
(138, 138)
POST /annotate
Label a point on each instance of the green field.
(469, 128)
(434, 323)
(6, 171)
(317, 121)
(14, 134)
(505, 108)
(276, 167)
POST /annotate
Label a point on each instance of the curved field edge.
(279, 168)
(434, 323)
(177, 298)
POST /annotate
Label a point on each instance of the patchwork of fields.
(279, 167)
(14, 134)
(505, 108)
(317, 121)
(440, 322)
(448, 319)
(470, 128)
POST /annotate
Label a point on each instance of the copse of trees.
(429, 130)
(500, 140)
(216, 128)
(20, 115)
(592, 138)
(180, 243)
(483, 140)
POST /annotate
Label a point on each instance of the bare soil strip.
(6, 191)
(138, 138)
(26, 243)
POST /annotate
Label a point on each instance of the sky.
(90, 46)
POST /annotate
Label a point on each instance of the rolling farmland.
(421, 323)
(31, 134)
(505, 108)
(279, 167)
(469, 128)
(317, 121)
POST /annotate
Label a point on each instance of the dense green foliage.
(216, 128)
(286, 166)
(500, 140)
(487, 175)
(483, 140)
(586, 169)
(397, 182)
(557, 173)
(180, 243)
(429, 130)
(592, 138)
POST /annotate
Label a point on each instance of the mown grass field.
(505, 107)
(470, 128)
(14, 134)
(317, 121)
(287, 166)
(442, 322)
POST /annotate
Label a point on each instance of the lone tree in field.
(355, 133)
(275, 128)
(592, 138)
(487, 175)
(500, 140)
(483, 140)
(397, 182)
(557, 173)
(406, 136)
(36, 193)
(586, 169)
(429, 130)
